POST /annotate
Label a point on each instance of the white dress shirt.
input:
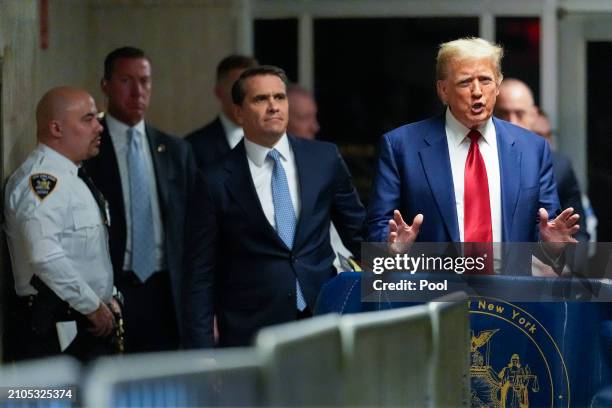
(458, 148)
(118, 133)
(233, 132)
(60, 237)
(261, 171)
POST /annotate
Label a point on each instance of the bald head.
(66, 120)
(515, 103)
(55, 105)
(541, 126)
(302, 113)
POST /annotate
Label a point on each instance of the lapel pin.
(161, 148)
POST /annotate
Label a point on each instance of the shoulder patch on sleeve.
(42, 184)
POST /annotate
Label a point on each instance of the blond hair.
(467, 49)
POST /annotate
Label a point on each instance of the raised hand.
(402, 235)
(558, 233)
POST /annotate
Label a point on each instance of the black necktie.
(97, 194)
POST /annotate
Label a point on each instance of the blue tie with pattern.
(143, 245)
(284, 214)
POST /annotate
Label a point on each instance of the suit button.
(294, 259)
(289, 295)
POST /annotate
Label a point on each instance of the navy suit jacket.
(175, 172)
(414, 176)
(239, 268)
(209, 144)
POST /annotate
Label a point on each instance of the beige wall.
(28, 71)
(64, 62)
(184, 40)
(18, 45)
(17, 56)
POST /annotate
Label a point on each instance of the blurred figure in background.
(303, 123)
(516, 105)
(215, 139)
(302, 113)
(542, 127)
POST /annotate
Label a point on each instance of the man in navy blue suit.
(465, 176)
(258, 241)
(214, 140)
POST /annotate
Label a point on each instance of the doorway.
(585, 123)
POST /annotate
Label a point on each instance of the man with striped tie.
(258, 248)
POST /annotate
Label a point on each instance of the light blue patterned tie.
(143, 244)
(284, 214)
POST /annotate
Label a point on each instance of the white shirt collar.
(258, 153)
(459, 131)
(233, 132)
(62, 161)
(116, 127)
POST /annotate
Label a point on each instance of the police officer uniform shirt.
(56, 230)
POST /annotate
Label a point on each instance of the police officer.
(58, 240)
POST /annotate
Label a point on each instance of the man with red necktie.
(465, 176)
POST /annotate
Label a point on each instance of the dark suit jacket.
(175, 171)
(570, 196)
(239, 268)
(414, 176)
(209, 144)
(569, 191)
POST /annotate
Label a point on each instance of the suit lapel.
(219, 140)
(436, 164)
(161, 163)
(240, 186)
(106, 171)
(307, 178)
(510, 165)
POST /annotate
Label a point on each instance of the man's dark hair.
(123, 52)
(232, 62)
(238, 92)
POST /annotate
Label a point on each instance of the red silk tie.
(477, 225)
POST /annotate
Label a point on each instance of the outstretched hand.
(402, 235)
(557, 233)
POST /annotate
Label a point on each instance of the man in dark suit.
(147, 177)
(214, 140)
(464, 175)
(516, 105)
(258, 247)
